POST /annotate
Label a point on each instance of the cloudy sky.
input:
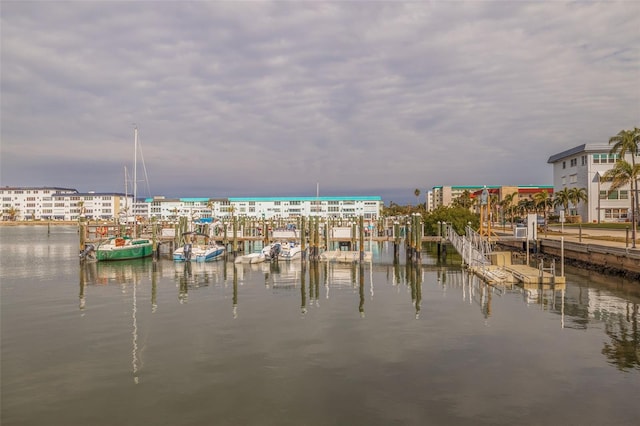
(273, 98)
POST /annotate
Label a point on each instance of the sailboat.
(129, 246)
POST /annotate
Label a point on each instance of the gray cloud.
(261, 98)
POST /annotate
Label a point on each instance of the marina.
(316, 343)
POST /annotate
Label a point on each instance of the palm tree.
(627, 141)
(543, 202)
(576, 195)
(622, 174)
(562, 199)
(525, 206)
(12, 212)
(416, 192)
(463, 200)
(507, 205)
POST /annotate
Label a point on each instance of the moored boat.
(198, 247)
(123, 248)
(257, 257)
(290, 251)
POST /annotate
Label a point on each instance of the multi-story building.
(29, 203)
(53, 203)
(446, 195)
(583, 167)
(370, 207)
(68, 204)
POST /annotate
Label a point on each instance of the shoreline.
(39, 223)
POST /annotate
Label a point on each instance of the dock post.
(353, 236)
(396, 242)
(303, 239)
(361, 235)
(82, 230)
(419, 235)
(316, 238)
(154, 238)
(407, 241)
(235, 236)
(265, 232)
(327, 235)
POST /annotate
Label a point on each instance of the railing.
(472, 247)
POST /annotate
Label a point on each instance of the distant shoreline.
(38, 223)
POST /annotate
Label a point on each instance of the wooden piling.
(361, 235)
(396, 242)
(303, 239)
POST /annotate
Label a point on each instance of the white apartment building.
(54, 203)
(370, 207)
(582, 167)
(68, 204)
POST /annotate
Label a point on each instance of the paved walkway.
(589, 236)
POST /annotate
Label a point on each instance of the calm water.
(158, 343)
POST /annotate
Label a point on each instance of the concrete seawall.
(604, 258)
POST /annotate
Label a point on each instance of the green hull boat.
(123, 249)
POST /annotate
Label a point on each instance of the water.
(144, 342)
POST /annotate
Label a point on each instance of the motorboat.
(198, 247)
(290, 251)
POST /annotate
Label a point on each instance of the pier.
(320, 238)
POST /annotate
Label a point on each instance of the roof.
(89, 194)
(56, 188)
(586, 148)
(266, 199)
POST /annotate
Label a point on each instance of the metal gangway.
(472, 247)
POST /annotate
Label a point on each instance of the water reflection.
(623, 350)
(577, 306)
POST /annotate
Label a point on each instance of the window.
(615, 195)
(605, 158)
(574, 162)
(584, 160)
(619, 214)
(564, 180)
(564, 164)
(573, 179)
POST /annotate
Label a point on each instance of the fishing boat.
(198, 247)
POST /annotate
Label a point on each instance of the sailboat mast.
(135, 164)
(126, 193)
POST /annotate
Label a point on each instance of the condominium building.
(44, 203)
(583, 167)
(370, 207)
(445, 195)
(53, 203)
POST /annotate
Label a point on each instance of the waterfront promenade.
(615, 238)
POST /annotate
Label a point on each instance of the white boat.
(290, 251)
(272, 251)
(257, 257)
(198, 247)
(346, 256)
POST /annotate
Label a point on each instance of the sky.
(260, 99)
